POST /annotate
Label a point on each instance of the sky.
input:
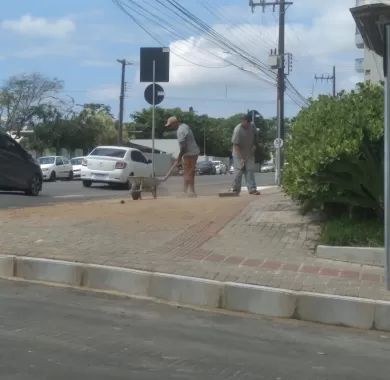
(79, 41)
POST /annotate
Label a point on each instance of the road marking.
(69, 196)
(75, 196)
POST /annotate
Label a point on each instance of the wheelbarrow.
(140, 184)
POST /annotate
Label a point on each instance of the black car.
(18, 170)
(206, 167)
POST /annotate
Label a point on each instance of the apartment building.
(370, 65)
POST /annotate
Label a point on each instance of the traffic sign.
(160, 57)
(159, 94)
(278, 143)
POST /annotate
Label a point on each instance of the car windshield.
(46, 160)
(109, 152)
(76, 161)
(205, 163)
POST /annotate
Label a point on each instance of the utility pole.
(124, 63)
(281, 88)
(334, 81)
(204, 140)
(328, 77)
(283, 5)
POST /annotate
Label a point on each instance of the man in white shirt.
(189, 152)
(244, 142)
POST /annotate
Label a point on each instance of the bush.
(331, 150)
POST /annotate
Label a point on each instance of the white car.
(76, 164)
(114, 165)
(220, 167)
(55, 167)
(267, 167)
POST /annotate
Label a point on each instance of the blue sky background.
(79, 42)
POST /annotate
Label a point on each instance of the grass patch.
(348, 232)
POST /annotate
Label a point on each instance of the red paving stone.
(329, 272)
(349, 274)
(234, 260)
(310, 269)
(291, 267)
(252, 262)
(215, 258)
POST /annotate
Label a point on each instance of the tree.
(216, 131)
(20, 97)
(58, 127)
(94, 126)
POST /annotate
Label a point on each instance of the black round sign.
(159, 94)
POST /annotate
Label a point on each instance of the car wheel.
(35, 186)
(87, 183)
(53, 176)
(70, 176)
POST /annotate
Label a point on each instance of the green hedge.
(329, 134)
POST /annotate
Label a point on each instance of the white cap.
(171, 120)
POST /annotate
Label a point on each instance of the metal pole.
(387, 155)
(153, 115)
(334, 81)
(204, 140)
(121, 101)
(281, 85)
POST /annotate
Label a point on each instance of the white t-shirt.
(185, 136)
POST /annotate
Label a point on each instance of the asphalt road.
(55, 333)
(62, 191)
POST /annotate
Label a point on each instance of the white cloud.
(325, 37)
(40, 27)
(104, 93)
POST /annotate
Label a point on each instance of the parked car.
(267, 167)
(76, 165)
(18, 170)
(220, 167)
(205, 167)
(114, 165)
(56, 167)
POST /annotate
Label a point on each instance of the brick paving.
(263, 240)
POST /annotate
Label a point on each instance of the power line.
(125, 9)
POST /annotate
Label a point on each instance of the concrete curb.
(7, 266)
(357, 255)
(314, 307)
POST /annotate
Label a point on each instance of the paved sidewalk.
(262, 240)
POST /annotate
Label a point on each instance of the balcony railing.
(359, 65)
(359, 40)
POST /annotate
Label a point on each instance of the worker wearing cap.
(189, 152)
(244, 146)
